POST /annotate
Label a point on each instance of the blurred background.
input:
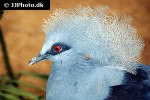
(22, 38)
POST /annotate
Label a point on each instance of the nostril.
(48, 52)
(39, 55)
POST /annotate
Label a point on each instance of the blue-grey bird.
(95, 55)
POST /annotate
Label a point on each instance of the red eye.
(57, 48)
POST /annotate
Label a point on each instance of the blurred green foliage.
(10, 84)
(8, 91)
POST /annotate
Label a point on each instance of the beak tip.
(31, 62)
(36, 59)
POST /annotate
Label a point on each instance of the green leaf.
(13, 90)
(10, 81)
(29, 85)
(8, 96)
(42, 98)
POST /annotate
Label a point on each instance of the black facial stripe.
(63, 48)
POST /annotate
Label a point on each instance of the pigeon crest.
(114, 40)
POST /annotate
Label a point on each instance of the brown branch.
(5, 54)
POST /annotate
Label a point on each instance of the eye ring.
(57, 48)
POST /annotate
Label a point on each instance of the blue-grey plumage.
(95, 55)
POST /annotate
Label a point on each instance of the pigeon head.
(86, 36)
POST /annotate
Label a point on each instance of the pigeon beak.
(37, 59)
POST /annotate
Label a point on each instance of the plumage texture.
(135, 87)
(112, 31)
(97, 56)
